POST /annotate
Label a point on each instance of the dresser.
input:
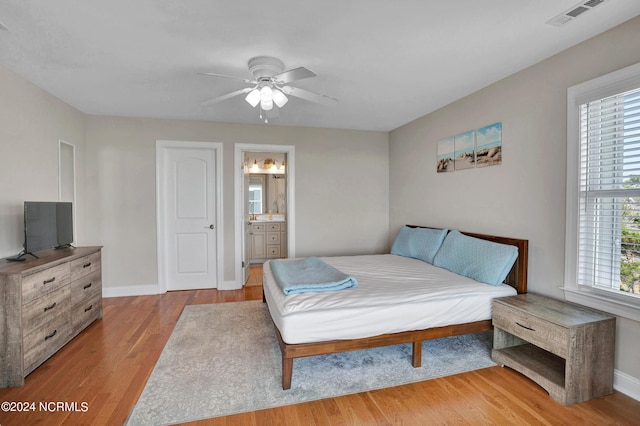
(567, 349)
(46, 302)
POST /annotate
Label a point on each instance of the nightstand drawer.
(535, 330)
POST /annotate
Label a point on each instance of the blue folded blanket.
(309, 274)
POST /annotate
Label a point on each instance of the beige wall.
(341, 189)
(32, 122)
(525, 196)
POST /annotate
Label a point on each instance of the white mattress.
(394, 294)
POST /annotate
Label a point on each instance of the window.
(603, 193)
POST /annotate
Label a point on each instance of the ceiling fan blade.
(293, 75)
(212, 74)
(227, 96)
(310, 96)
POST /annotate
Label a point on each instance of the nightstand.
(565, 348)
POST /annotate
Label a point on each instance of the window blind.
(609, 218)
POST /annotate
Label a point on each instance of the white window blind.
(609, 193)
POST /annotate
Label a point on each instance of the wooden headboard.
(517, 277)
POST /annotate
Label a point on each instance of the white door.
(188, 218)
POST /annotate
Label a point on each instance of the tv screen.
(47, 224)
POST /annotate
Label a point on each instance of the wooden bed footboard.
(415, 337)
(516, 278)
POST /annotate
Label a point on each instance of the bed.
(398, 299)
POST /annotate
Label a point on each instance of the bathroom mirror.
(267, 193)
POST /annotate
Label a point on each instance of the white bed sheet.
(394, 294)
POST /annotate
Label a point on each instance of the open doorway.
(264, 205)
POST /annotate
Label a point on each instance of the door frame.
(68, 169)
(238, 160)
(161, 147)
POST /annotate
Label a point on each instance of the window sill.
(619, 305)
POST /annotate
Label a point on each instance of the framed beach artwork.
(465, 146)
(489, 145)
(446, 154)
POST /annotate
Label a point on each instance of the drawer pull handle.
(46, 308)
(88, 308)
(51, 335)
(49, 281)
(87, 286)
(86, 265)
(524, 326)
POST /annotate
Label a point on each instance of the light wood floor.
(108, 365)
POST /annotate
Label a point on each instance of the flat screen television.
(47, 224)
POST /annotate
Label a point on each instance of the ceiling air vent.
(570, 14)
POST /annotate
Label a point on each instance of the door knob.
(210, 227)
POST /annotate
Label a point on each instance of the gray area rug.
(224, 359)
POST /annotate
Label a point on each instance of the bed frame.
(516, 278)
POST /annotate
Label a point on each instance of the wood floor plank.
(108, 365)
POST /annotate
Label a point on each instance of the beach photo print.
(474, 148)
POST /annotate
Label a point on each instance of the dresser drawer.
(82, 314)
(40, 283)
(45, 341)
(86, 287)
(273, 252)
(85, 265)
(535, 330)
(43, 309)
(273, 227)
(257, 227)
(273, 238)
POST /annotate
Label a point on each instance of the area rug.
(224, 359)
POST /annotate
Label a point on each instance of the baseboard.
(626, 384)
(134, 290)
(146, 290)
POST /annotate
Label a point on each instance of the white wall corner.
(626, 384)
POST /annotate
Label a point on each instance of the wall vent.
(572, 13)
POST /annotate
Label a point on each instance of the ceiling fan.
(270, 86)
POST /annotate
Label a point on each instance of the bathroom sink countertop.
(269, 218)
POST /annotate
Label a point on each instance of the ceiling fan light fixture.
(270, 85)
(253, 98)
(266, 98)
(279, 98)
(266, 105)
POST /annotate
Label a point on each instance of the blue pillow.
(479, 259)
(401, 246)
(418, 243)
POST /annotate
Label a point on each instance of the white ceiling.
(388, 62)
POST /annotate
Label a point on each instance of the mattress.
(394, 294)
